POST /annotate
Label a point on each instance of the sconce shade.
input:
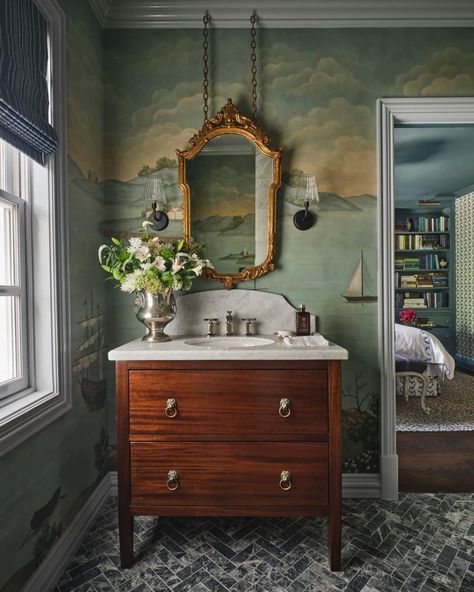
(307, 193)
(154, 191)
(307, 189)
(154, 194)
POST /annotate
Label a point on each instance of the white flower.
(101, 248)
(177, 265)
(198, 268)
(135, 243)
(159, 263)
(142, 253)
(129, 283)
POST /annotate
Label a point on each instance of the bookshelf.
(424, 269)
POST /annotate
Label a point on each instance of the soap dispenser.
(303, 322)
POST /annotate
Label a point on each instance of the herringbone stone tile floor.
(422, 543)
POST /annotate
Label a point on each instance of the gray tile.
(418, 543)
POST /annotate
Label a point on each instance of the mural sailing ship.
(89, 364)
(359, 289)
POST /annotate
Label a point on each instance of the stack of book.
(414, 303)
(413, 242)
(440, 279)
(424, 280)
(408, 281)
(411, 263)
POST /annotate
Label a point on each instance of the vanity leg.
(126, 539)
(335, 465)
(123, 460)
(334, 540)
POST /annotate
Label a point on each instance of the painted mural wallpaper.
(126, 117)
(46, 480)
(317, 96)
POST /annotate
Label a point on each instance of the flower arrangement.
(152, 264)
(408, 316)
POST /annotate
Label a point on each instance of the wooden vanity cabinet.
(229, 438)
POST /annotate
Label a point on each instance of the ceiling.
(432, 161)
(285, 14)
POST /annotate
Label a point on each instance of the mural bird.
(41, 516)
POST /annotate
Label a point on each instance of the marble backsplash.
(271, 311)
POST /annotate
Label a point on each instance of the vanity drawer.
(223, 474)
(228, 403)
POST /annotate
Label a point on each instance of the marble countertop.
(180, 348)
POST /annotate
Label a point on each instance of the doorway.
(393, 113)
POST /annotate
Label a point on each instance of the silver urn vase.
(155, 311)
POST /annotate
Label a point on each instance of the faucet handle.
(211, 324)
(249, 326)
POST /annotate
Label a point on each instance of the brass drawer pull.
(286, 482)
(173, 480)
(171, 408)
(285, 407)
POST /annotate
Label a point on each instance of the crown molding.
(283, 14)
(101, 10)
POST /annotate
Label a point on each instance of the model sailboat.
(356, 291)
(89, 364)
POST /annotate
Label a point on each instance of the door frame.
(419, 110)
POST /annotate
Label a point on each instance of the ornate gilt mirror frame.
(229, 121)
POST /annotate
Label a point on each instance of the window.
(13, 293)
(34, 300)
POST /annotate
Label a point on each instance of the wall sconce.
(307, 192)
(155, 194)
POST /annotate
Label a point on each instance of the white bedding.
(421, 345)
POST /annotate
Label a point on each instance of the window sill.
(25, 416)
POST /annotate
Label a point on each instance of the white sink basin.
(229, 342)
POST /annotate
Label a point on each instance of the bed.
(421, 361)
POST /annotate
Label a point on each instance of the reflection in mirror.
(229, 180)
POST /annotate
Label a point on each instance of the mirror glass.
(229, 181)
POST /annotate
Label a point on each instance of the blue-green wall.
(317, 96)
(62, 464)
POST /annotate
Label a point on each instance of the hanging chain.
(205, 69)
(253, 59)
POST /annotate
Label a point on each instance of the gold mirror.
(229, 179)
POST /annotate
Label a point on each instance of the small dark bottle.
(303, 322)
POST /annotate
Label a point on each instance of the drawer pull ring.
(285, 480)
(173, 480)
(171, 408)
(285, 407)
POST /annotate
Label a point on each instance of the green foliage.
(162, 163)
(362, 425)
(149, 263)
(292, 178)
(234, 223)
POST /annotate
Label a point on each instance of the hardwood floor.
(433, 462)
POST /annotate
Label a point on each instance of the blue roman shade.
(24, 99)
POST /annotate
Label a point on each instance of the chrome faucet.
(249, 327)
(229, 324)
(211, 327)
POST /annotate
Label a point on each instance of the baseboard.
(361, 485)
(60, 555)
(353, 484)
(389, 476)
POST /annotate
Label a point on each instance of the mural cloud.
(449, 72)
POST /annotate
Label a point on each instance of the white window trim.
(23, 416)
(11, 387)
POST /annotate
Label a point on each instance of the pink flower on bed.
(408, 316)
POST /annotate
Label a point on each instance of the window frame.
(48, 394)
(19, 289)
